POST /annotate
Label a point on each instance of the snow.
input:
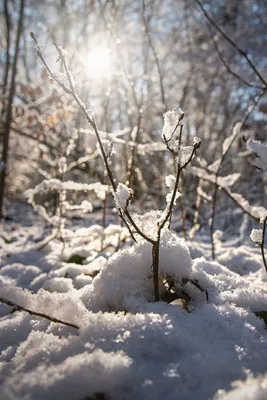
(171, 119)
(228, 141)
(127, 277)
(123, 195)
(170, 183)
(128, 347)
(108, 147)
(253, 388)
(260, 150)
(184, 154)
(257, 236)
(58, 185)
(224, 181)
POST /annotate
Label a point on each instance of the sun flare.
(99, 62)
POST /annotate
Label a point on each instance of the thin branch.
(180, 169)
(224, 154)
(262, 243)
(151, 44)
(227, 66)
(228, 192)
(91, 121)
(235, 45)
(37, 314)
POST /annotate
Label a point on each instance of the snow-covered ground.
(122, 345)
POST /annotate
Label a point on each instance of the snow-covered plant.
(172, 135)
(211, 173)
(258, 235)
(63, 191)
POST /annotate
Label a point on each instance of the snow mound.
(128, 274)
(252, 388)
(78, 377)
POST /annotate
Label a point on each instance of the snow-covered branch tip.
(172, 120)
(123, 196)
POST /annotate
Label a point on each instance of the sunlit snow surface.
(128, 347)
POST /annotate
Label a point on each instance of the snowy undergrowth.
(126, 280)
(143, 350)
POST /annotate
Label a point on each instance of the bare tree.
(3, 166)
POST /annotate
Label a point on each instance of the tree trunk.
(3, 165)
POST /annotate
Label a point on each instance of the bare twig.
(262, 243)
(227, 66)
(156, 58)
(169, 208)
(37, 314)
(233, 44)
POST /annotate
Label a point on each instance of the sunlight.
(99, 62)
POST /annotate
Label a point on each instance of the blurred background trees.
(131, 62)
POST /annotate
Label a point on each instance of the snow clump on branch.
(122, 196)
(260, 150)
(171, 121)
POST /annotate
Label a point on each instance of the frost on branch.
(256, 236)
(214, 167)
(58, 185)
(184, 154)
(223, 181)
(196, 141)
(170, 183)
(122, 196)
(107, 147)
(85, 207)
(41, 211)
(260, 150)
(228, 141)
(263, 216)
(62, 79)
(256, 212)
(62, 165)
(171, 121)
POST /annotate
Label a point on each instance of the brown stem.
(37, 314)
(180, 169)
(155, 267)
(213, 210)
(262, 243)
